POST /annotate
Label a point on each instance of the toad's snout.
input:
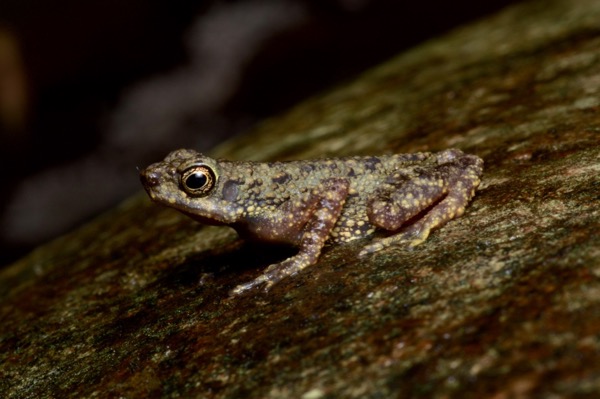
(150, 177)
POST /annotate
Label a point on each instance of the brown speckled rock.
(502, 302)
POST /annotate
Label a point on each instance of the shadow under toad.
(222, 268)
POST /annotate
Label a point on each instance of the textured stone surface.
(502, 302)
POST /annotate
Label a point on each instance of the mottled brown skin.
(312, 203)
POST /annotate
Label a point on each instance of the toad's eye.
(198, 180)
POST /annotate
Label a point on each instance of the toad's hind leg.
(458, 188)
(329, 200)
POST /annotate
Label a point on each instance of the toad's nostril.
(150, 178)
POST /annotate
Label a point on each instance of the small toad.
(311, 203)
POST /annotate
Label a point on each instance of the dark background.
(91, 90)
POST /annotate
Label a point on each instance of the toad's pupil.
(196, 180)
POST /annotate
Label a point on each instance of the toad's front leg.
(327, 204)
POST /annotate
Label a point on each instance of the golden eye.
(198, 180)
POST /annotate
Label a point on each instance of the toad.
(312, 203)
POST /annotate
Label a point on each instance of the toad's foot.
(275, 273)
(412, 236)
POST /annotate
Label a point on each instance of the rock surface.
(502, 302)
